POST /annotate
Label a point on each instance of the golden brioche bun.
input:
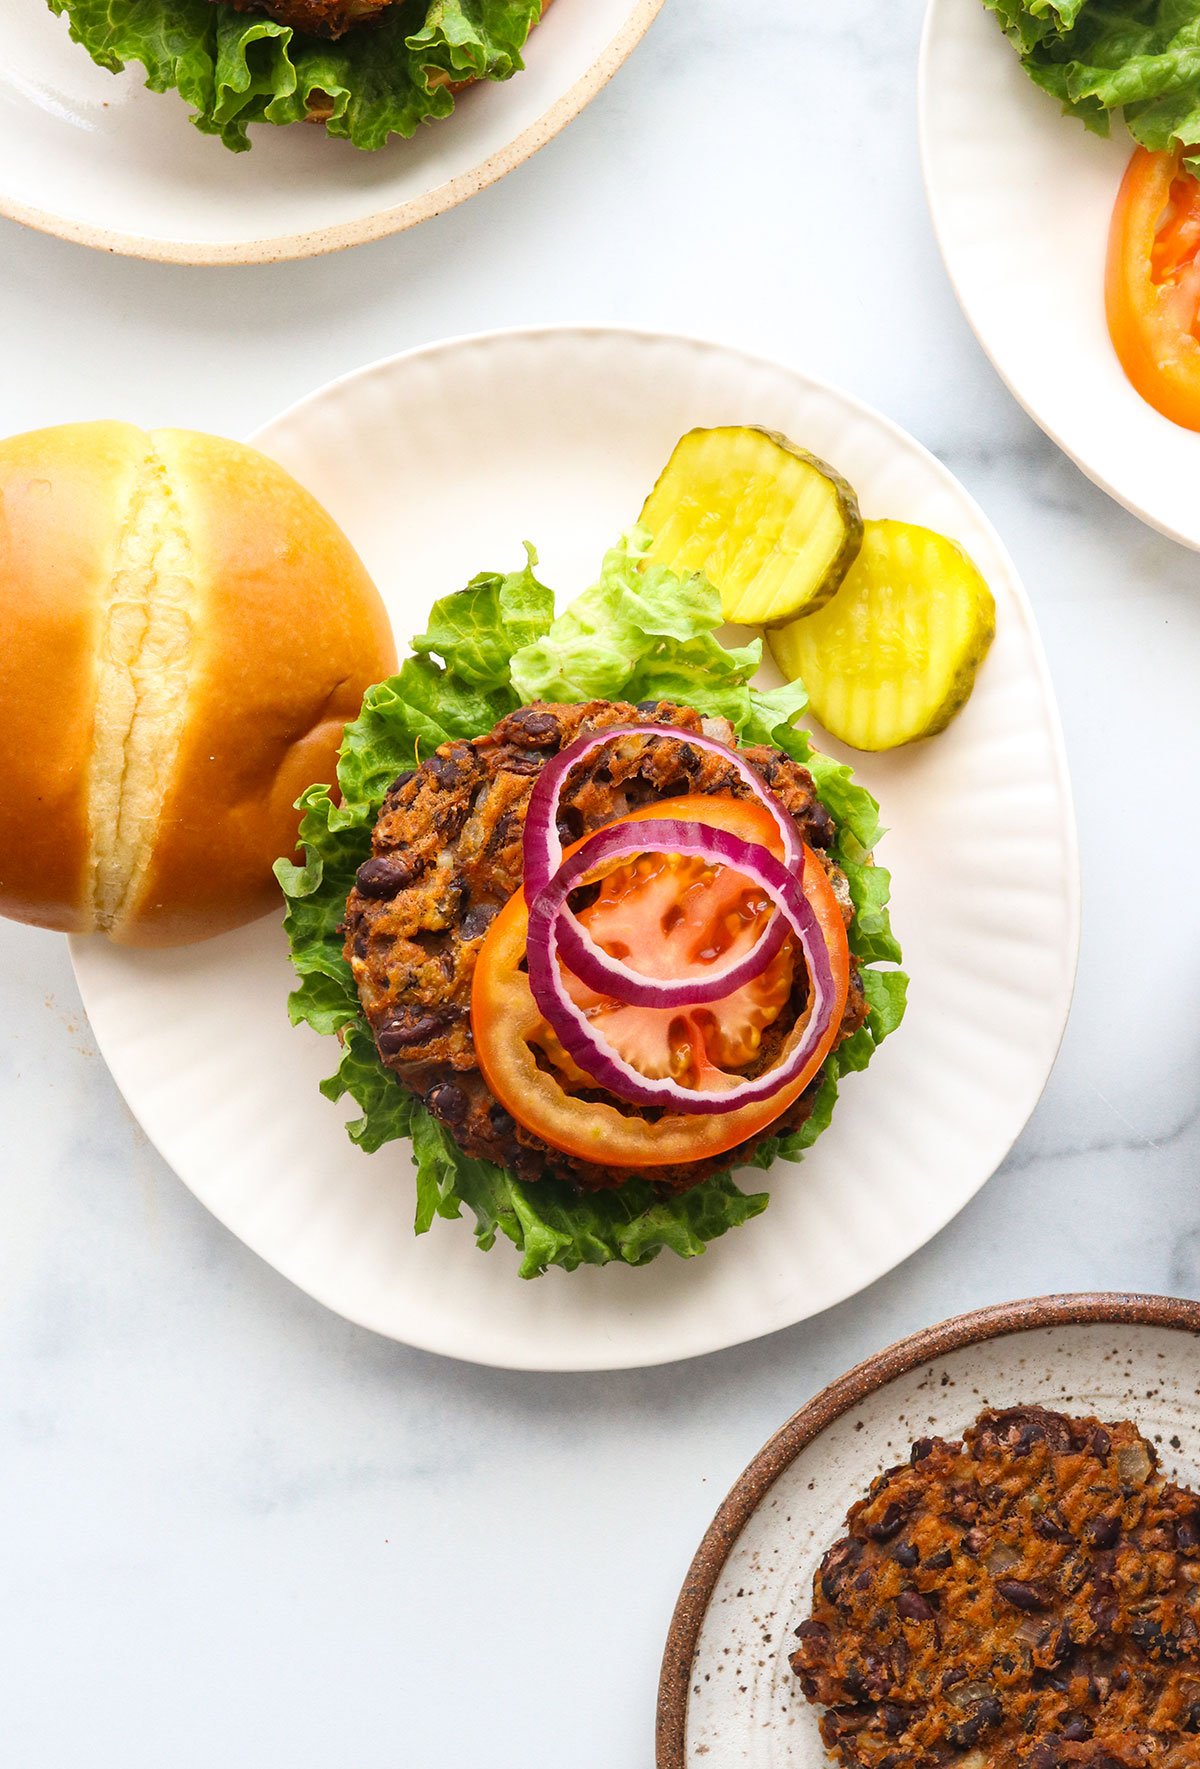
(185, 632)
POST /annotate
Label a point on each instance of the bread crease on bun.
(185, 634)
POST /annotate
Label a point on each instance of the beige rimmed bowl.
(96, 158)
(727, 1695)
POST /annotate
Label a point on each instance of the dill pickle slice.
(894, 655)
(770, 525)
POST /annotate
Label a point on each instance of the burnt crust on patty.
(318, 18)
(332, 19)
(1028, 1598)
(446, 855)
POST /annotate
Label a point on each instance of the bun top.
(186, 633)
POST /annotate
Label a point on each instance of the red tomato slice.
(674, 917)
(662, 927)
(1152, 284)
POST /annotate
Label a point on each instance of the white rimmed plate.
(1021, 199)
(727, 1695)
(438, 464)
(97, 158)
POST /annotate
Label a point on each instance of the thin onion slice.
(589, 1048)
(542, 856)
(633, 988)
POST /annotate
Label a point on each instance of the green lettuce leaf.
(383, 78)
(476, 631)
(553, 1225)
(1097, 57)
(640, 633)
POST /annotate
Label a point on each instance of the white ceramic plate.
(97, 158)
(1021, 199)
(728, 1696)
(439, 464)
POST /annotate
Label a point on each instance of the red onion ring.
(609, 976)
(542, 856)
(588, 1048)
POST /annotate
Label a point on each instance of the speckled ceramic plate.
(728, 1696)
(439, 464)
(1021, 199)
(97, 158)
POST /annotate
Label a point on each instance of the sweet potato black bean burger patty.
(447, 856)
(1022, 1598)
(594, 923)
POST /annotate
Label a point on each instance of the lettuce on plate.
(234, 68)
(640, 633)
(1141, 57)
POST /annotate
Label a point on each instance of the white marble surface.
(240, 1532)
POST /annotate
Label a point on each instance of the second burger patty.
(1022, 1598)
(447, 856)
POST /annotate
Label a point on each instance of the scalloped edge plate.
(438, 464)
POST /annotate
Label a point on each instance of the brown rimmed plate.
(727, 1695)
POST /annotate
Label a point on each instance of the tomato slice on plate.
(670, 917)
(1152, 284)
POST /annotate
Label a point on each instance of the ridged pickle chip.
(894, 655)
(771, 526)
